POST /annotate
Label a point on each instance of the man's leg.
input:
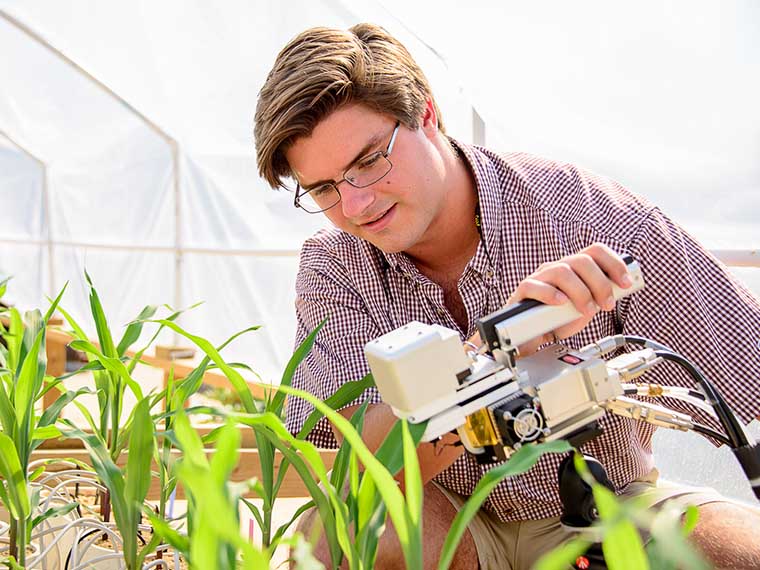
(727, 535)
(437, 515)
(726, 532)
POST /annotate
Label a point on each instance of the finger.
(563, 277)
(611, 263)
(595, 279)
(532, 288)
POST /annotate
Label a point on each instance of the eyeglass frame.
(385, 154)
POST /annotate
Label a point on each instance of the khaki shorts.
(517, 545)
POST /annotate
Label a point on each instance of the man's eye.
(321, 190)
(369, 161)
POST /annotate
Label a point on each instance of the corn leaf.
(179, 542)
(237, 381)
(134, 329)
(42, 433)
(14, 339)
(621, 544)
(101, 323)
(413, 489)
(290, 369)
(226, 456)
(54, 512)
(386, 485)
(520, 462)
(343, 396)
(17, 499)
(111, 364)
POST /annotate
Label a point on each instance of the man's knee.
(726, 534)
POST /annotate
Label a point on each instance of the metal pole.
(171, 141)
(738, 257)
(478, 128)
(46, 210)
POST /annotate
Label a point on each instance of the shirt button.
(489, 273)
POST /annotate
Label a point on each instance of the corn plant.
(22, 383)
(112, 371)
(266, 420)
(213, 538)
(176, 395)
(127, 488)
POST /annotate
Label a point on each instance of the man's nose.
(356, 201)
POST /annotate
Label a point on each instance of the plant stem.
(105, 505)
(114, 435)
(18, 541)
(13, 535)
(266, 532)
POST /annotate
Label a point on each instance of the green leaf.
(54, 512)
(4, 286)
(134, 329)
(51, 413)
(413, 484)
(141, 447)
(179, 542)
(290, 369)
(386, 485)
(111, 364)
(7, 411)
(296, 515)
(10, 469)
(520, 462)
(391, 451)
(227, 454)
(101, 323)
(237, 381)
(45, 432)
(343, 396)
(621, 544)
(14, 339)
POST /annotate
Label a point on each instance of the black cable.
(726, 416)
(709, 432)
(697, 394)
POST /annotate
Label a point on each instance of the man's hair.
(323, 69)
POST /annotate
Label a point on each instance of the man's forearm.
(433, 458)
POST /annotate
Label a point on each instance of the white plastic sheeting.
(659, 94)
(129, 151)
(126, 149)
(126, 145)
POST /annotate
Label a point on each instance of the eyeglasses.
(364, 172)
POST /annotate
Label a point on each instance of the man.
(430, 229)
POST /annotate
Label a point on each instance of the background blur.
(126, 140)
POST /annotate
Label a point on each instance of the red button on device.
(570, 359)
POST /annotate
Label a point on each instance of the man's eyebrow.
(373, 142)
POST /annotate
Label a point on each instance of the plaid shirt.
(534, 211)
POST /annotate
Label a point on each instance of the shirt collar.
(489, 191)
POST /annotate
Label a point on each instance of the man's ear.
(429, 122)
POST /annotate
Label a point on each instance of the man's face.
(395, 213)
